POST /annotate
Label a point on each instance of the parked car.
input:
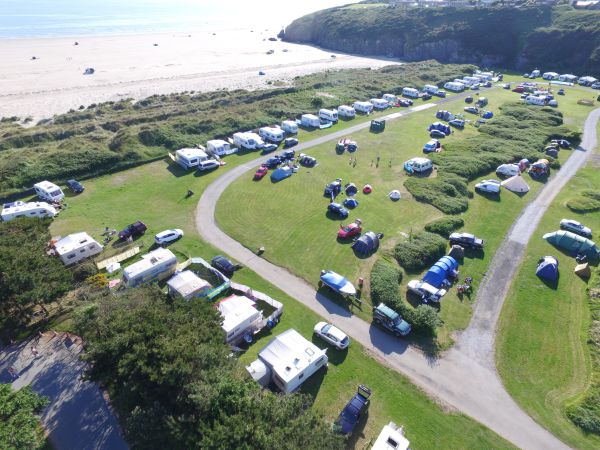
(167, 236)
(335, 187)
(553, 103)
(389, 319)
(426, 96)
(596, 85)
(519, 89)
(561, 92)
(437, 134)
(488, 186)
(337, 209)
(575, 227)
(405, 102)
(487, 84)
(466, 240)
(440, 93)
(468, 99)
(563, 143)
(457, 123)
(475, 87)
(308, 161)
(506, 86)
(354, 410)
(268, 148)
(508, 170)
(273, 163)
(75, 186)
(287, 154)
(290, 142)
(208, 164)
(135, 229)
(261, 172)
(223, 265)
(332, 335)
(349, 231)
(426, 291)
(472, 109)
(431, 146)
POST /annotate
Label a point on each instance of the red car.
(261, 172)
(349, 231)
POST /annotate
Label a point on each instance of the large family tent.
(516, 184)
(445, 268)
(547, 268)
(573, 244)
(366, 244)
(281, 173)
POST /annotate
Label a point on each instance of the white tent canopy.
(394, 195)
(516, 184)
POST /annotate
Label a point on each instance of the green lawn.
(541, 348)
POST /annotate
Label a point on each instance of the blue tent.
(366, 244)
(440, 271)
(548, 268)
(281, 173)
(488, 114)
(440, 127)
(351, 203)
(351, 189)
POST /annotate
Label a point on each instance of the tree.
(19, 426)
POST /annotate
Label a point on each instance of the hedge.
(445, 225)
(420, 250)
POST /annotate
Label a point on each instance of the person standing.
(34, 351)
(13, 372)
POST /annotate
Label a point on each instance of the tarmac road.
(465, 377)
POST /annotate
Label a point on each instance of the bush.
(439, 193)
(444, 226)
(84, 270)
(425, 320)
(385, 279)
(420, 250)
(584, 202)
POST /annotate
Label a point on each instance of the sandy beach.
(134, 67)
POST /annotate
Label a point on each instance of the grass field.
(541, 348)
(289, 218)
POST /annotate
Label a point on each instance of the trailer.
(379, 103)
(454, 86)
(289, 126)
(219, 147)
(248, 140)
(14, 210)
(271, 134)
(363, 107)
(346, 111)
(328, 114)
(431, 89)
(188, 158)
(310, 121)
(410, 92)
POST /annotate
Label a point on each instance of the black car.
(308, 161)
(268, 148)
(354, 410)
(75, 186)
(468, 99)
(135, 229)
(335, 187)
(466, 240)
(273, 163)
(405, 102)
(426, 96)
(290, 142)
(337, 209)
(288, 154)
(223, 265)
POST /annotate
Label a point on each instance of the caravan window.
(71, 256)
(91, 247)
(320, 361)
(301, 376)
(82, 250)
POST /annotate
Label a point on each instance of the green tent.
(573, 244)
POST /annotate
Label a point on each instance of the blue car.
(431, 146)
(338, 210)
(268, 148)
(457, 123)
(354, 410)
(75, 186)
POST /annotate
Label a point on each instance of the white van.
(534, 100)
(379, 103)
(430, 89)
(248, 140)
(272, 134)
(219, 147)
(310, 120)
(410, 92)
(46, 190)
(418, 165)
(190, 157)
(346, 111)
(289, 126)
(390, 98)
(328, 114)
(364, 107)
(13, 210)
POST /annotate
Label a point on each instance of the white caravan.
(154, 265)
(240, 317)
(454, 86)
(568, 78)
(328, 114)
(310, 120)
(410, 92)
(248, 140)
(189, 158)
(419, 165)
(219, 147)
(430, 89)
(11, 211)
(390, 98)
(289, 126)
(271, 134)
(379, 103)
(535, 100)
(535, 73)
(346, 111)
(363, 107)
(550, 76)
(46, 190)
(76, 247)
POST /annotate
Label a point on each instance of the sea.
(59, 18)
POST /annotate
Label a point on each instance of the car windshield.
(326, 328)
(347, 228)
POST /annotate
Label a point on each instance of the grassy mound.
(444, 226)
(448, 194)
(585, 202)
(420, 250)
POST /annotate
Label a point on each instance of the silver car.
(332, 335)
(575, 227)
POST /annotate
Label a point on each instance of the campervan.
(418, 165)
(13, 210)
(454, 86)
(240, 317)
(390, 98)
(219, 147)
(76, 247)
(346, 111)
(310, 120)
(46, 190)
(410, 92)
(155, 265)
(248, 140)
(535, 100)
(271, 134)
(430, 89)
(550, 76)
(289, 126)
(190, 157)
(328, 114)
(379, 103)
(364, 107)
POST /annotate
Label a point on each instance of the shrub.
(444, 226)
(385, 279)
(419, 250)
(425, 320)
(584, 202)
(317, 102)
(84, 270)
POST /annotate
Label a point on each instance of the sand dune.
(134, 67)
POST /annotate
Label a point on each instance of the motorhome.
(46, 190)
(187, 285)
(76, 247)
(363, 107)
(272, 134)
(535, 100)
(346, 111)
(550, 76)
(287, 360)
(328, 114)
(379, 103)
(568, 78)
(418, 165)
(289, 126)
(410, 92)
(240, 317)
(248, 140)
(219, 147)
(189, 158)
(13, 210)
(390, 98)
(431, 89)
(310, 121)
(155, 265)
(454, 86)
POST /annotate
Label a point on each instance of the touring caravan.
(46, 190)
(535, 73)
(472, 80)
(289, 126)
(240, 317)
(310, 121)
(363, 107)
(346, 111)
(390, 98)
(587, 81)
(535, 100)
(487, 76)
(454, 86)
(187, 285)
(155, 265)
(248, 140)
(271, 134)
(189, 158)
(287, 360)
(568, 78)
(219, 147)
(379, 103)
(328, 114)
(550, 76)
(410, 92)
(11, 211)
(430, 89)
(76, 247)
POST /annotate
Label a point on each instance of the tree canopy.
(19, 426)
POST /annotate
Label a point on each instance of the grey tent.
(457, 252)
(366, 244)
(573, 244)
(583, 270)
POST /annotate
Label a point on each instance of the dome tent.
(367, 189)
(516, 184)
(351, 203)
(395, 195)
(547, 268)
(366, 244)
(351, 189)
